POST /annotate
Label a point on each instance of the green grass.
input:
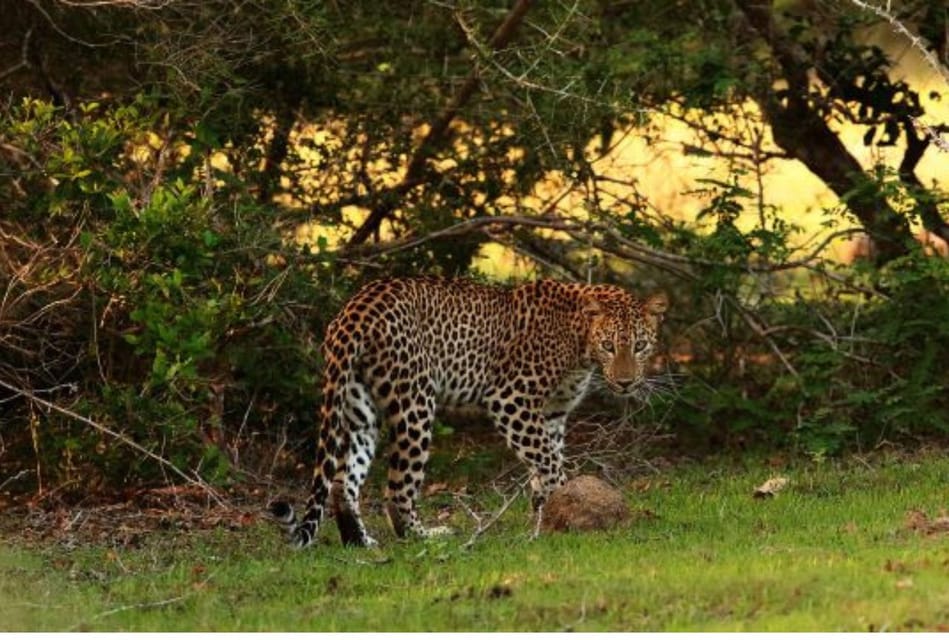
(829, 553)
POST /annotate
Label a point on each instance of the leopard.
(402, 348)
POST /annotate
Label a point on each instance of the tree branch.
(414, 173)
(24, 62)
(900, 28)
(925, 200)
(191, 479)
(610, 241)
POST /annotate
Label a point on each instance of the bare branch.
(52, 23)
(24, 62)
(763, 332)
(613, 242)
(149, 5)
(485, 525)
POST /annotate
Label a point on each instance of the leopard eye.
(640, 346)
(607, 346)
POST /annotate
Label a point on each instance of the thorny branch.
(521, 79)
(899, 27)
(917, 43)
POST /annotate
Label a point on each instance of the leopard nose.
(625, 385)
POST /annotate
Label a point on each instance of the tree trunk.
(926, 201)
(277, 151)
(804, 134)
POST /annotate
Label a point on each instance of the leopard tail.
(331, 446)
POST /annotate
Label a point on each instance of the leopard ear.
(656, 304)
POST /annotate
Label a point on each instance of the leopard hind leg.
(359, 448)
(409, 418)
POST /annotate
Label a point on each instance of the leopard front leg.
(565, 398)
(534, 441)
(555, 429)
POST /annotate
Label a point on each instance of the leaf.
(918, 521)
(771, 487)
(436, 487)
(210, 239)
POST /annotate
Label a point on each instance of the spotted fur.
(402, 347)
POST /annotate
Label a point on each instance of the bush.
(173, 314)
(794, 359)
(155, 295)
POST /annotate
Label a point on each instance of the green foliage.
(181, 300)
(883, 382)
(835, 371)
(865, 373)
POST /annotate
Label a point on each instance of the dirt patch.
(124, 520)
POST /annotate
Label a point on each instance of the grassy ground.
(839, 549)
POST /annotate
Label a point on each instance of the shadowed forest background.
(189, 190)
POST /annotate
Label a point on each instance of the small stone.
(584, 503)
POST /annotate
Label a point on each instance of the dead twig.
(16, 477)
(485, 525)
(759, 327)
(139, 605)
(613, 445)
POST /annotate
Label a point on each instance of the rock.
(584, 503)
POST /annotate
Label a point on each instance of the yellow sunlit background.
(662, 172)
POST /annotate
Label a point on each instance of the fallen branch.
(140, 605)
(484, 526)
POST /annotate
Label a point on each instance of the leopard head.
(623, 335)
